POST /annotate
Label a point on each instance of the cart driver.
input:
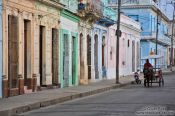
(148, 68)
(147, 65)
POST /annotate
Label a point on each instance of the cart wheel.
(162, 81)
(145, 82)
(140, 81)
(148, 81)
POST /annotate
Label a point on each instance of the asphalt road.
(133, 100)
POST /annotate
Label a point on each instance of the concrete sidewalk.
(27, 102)
(167, 71)
(23, 103)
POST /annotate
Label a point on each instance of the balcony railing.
(109, 13)
(71, 5)
(133, 2)
(91, 6)
(163, 39)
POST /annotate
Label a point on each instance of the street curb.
(40, 104)
(169, 72)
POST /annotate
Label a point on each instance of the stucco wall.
(100, 31)
(69, 27)
(49, 18)
(126, 59)
(85, 30)
(111, 53)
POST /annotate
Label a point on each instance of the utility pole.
(118, 33)
(157, 34)
(172, 36)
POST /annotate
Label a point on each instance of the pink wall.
(125, 57)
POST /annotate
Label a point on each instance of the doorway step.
(26, 90)
(47, 87)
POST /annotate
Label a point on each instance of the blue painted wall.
(167, 8)
(148, 23)
(0, 48)
(141, 15)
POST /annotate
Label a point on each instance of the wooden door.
(66, 61)
(42, 55)
(96, 56)
(55, 55)
(13, 51)
(81, 57)
(89, 56)
(73, 60)
(103, 58)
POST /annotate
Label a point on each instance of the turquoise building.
(68, 71)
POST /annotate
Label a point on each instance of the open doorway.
(27, 51)
(41, 53)
(96, 56)
(103, 58)
(89, 55)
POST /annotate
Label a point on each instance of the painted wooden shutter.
(13, 51)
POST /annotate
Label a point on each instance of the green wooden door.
(66, 61)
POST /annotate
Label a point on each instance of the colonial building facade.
(129, 46)
(46, 43)
(69, 44)
(18, 28)
(152, 17)
(68, 49)
(55, 44)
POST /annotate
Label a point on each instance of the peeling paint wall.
(48, 17)
(96, 61)
(68, 37)
(84, 30)
(128, 48)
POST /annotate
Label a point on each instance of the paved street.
(127, 101)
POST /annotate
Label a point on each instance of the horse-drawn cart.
(153, 75)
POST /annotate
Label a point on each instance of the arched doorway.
(81, 56)
(89, 55)
(103, 58)
(133, 56)
(96, 56)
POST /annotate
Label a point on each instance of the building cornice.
(130, 27)
(52, 3)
